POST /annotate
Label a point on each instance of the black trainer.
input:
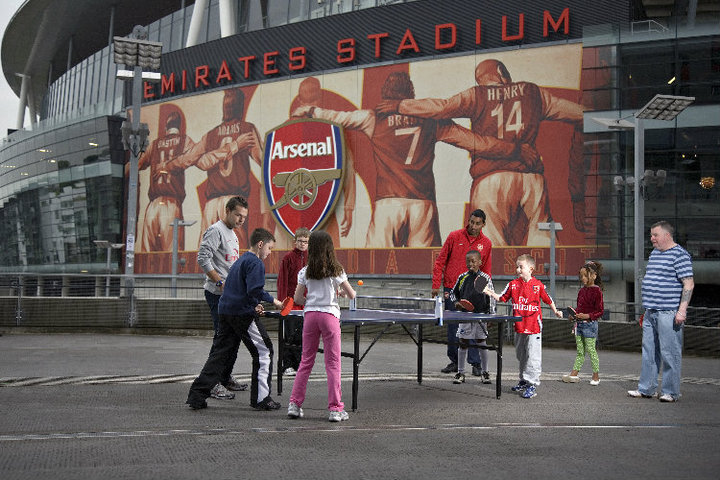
(198, 406)
(476, 371)
(451, 368)
(486, 377)
(267, 404)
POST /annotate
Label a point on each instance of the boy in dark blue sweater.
(239, 310)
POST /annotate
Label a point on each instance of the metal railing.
(71, 302)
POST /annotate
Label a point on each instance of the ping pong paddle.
(467, 305)
(569, 313)
(288, 305)
(481, 282)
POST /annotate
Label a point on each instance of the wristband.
(219, 283)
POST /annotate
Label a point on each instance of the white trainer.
(338, 416)
(221, 393)
(294, 411)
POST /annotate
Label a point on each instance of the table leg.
(498, 380)
(420, 353)
(356, 366)
(281, 352)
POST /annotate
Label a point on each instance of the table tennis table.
(359, 318)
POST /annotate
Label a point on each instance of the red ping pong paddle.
(288, 305)
(481, 282)
(467, 305)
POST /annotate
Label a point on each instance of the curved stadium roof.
(38, 35)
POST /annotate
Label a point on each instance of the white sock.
(462, 358)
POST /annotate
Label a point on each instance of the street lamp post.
(552, 227)
(136, 52)
(661, 107)
(176, 223)
(109, 246)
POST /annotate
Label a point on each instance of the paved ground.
(112, 406)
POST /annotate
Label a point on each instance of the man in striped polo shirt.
(666, 291)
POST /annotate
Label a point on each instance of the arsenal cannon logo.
(303, 169)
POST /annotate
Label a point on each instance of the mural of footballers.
(311, 94)
(405, 211)
(166, 190)
(224, 153)
(511, 191)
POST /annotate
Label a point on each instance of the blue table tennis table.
(359, 318)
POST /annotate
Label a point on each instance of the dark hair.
(596, 268)
(397, 86)
(234, 202)
(236, 97)
(173, 121)
(321, 257)
(472, 252)
(479, 213)
(236, 94)
(261, 235)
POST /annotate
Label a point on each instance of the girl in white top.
(325, 280)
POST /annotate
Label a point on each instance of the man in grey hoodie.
(218, 250)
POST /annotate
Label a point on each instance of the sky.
(8, 100)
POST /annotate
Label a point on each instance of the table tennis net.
(372, 302)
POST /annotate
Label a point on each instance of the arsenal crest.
(303, 169)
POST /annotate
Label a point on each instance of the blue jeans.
(661, 345)
(453, 340)
(213, 301)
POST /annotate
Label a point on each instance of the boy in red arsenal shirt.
(287, 279)
(526, 292)
(449, 265)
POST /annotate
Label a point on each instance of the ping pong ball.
(360, 282)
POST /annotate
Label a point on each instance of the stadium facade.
(251, 90)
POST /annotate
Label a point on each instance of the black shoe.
(198, 406)
(451, 368)
(486, 377)
(267, 404)
(476, 371)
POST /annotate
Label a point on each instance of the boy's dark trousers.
(292, 352)
(231, 331)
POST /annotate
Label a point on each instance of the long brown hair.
(321, 257)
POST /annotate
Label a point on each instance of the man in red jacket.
(287, 279)
(448, 267)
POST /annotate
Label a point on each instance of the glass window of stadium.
(688, 67)
(65, 189)
(625, 77)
